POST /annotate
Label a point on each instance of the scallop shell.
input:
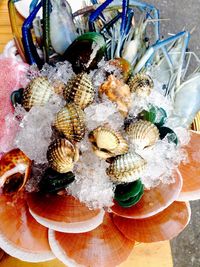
(15, 169)
(142, 133)
(79, 90)
(126, 168)
(38, 93)
(107, 142)
(141, 84)
(70, 121)
(61, 155)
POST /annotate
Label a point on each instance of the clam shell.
(142, 133)
(70, 121)
(61, 155)
(141, 84)
(79, 90)
(107, 142)
(38, 93)
(126, 168)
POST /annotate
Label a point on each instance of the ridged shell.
(141, 84)
(126, 168)
(142, 133)
(61, 155)
(70, 121)
(38, 93)
(107, 142)
(79, 90)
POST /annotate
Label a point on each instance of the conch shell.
(15, 169)
(107, 143)
(61, 155)
(118, 92)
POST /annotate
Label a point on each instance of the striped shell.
(126, 168)
(61, 155)
(107, 142)
(141, 84)
(79, 90)
(70, 121)
(38, 93)
(142, 133)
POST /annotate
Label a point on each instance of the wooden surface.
(144, 255)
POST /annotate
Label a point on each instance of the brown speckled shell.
(61, 155)
(107, 142)
(71, 122)
(126, 168)
(38, 93)
(142, 133)
(79, 90)
(141, 84)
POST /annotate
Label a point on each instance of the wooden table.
(144, 255)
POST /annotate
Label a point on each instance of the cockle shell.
(61, 155)
(118, 92)
(142, 133)
(107, 142)
(15, 169)
(38, 93)
(79, 90)
(141, 84)
(70, 121)
(126, 168)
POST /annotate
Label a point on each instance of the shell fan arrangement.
(97, 150)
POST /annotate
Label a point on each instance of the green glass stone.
(171, 136)
(155, 115)
(16, 97)
(53, 181)
(124, 192)
(132, 201)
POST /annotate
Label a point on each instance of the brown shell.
(38, 93)
(118, 92)
(79, 90)
(142, 133)
(107, 142)
(141, 84)
(61, 155)
(126, 168)
(71, 122)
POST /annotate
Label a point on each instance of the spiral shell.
(107, 142)
(38, 93)
(61, 155)
(142, 133)
(70, 121)
(79, 90)
(141, 84)
(126, 168)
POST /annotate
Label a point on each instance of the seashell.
(123, 66)
(38, 93)
(63, 213)
(15, 169)
(70, 121)
(142, 133)
(61, 155)
(107, 142)
(153, 201)
(126, 168)
(141, 84)
(117, 91)
(86, 52)
(79, 90)
(156, 228)
(104, 246)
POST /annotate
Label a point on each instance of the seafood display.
(99, 148)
